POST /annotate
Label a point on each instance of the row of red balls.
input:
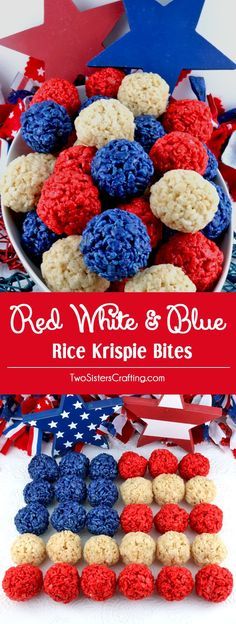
(63, 583)
(203, 518)
(162, 461)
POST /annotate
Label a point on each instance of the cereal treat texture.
(103, 520)
(147, 131)
(64, 547)
(168, 488)
(161, 278)
(69, 516)
(103, 121)
(132, 464)
(115, 244)
(189, 116)
(198, 257)
(46, 127)
(206, 518)
(141, 208)
(174, 583)
(136, 581)
(222, 217)
(22, 582)
(61, 91)
(137, 547)
(136, 517)
(102, 492)
(64, 270)
(193, 465)
(74, 464)
(173, 548)
(71, 488)
(144, 93)
(103, 465)
(77, 158)
(212, 166)
(36, 237)
(200, 490)
(137, 490)
(104, 82)
(98, 582)
(43, 467)
(184, 200)
(28, 548)
(162, 461)
(214, 583)
(171, 517)
(34, 518)
(39, 491)
(102, 550)
(207, 548)
(22, 182)
(61, 583)
(122, 169)
(179, 150)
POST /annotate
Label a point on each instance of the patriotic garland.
(15, 432)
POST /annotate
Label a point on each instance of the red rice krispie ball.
(136, 581)
(206, 518)
(174, 583)
(193, 465)
(136, 518)
(162, 461)
(77, 158)
(62, 582)
(98, 582)
(105, 81)
(171, 517)
(214, 583)
(189, 116)
(22, 582)
(61, 91)
(179, 150)
(132, 464)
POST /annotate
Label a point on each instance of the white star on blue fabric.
(163, 39)
(74, 420)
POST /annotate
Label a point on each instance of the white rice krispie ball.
(184, 201)
(144, 93)
(137, 547)
(168, 488)
(101, 549)
(28, 548)
(22, 182)
(173, 548)
(200, 490)
(103, 121)
(161, 278)
(207, 548)
(64, 547)
(63, 268)
(137, 490)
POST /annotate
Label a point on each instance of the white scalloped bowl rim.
(19, 147)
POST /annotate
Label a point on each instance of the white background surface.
(118, 610)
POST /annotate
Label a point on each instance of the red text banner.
(116, 343)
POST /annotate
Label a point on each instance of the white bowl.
(18, 148)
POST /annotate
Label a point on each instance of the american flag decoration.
(76, 421)
(169, 418)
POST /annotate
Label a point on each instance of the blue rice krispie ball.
(212, 166)
(93, 99)
(70, 516)
(34, 518)
(103, 465)
(74, 464)
(46, 127)
(102, 521)
(36, 238)
(115, 245)
(147, 131)
(71, 488)
(39, 491)
(122, 169)
(43, 467)
(222, 217)
(102, 492)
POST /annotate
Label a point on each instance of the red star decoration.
(169, 417)
(68, 38)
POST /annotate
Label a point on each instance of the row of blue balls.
(73, 464)
(99, 491)
(69, 515)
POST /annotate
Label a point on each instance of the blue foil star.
(76, 421)
(163, 39)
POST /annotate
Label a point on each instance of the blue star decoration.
(163, 39)
(76, 421)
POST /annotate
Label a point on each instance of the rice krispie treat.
(168, 488)
(144, 93)
(28, 548)
(160, 278)
(137, 547)
(64, 547)
(137, 490)
(102, 550)
(207, 548)
(200, 490)
(173, 548)
(22, 182)
(104, 121)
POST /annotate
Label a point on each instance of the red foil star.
(68, 38)
(169, 418)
